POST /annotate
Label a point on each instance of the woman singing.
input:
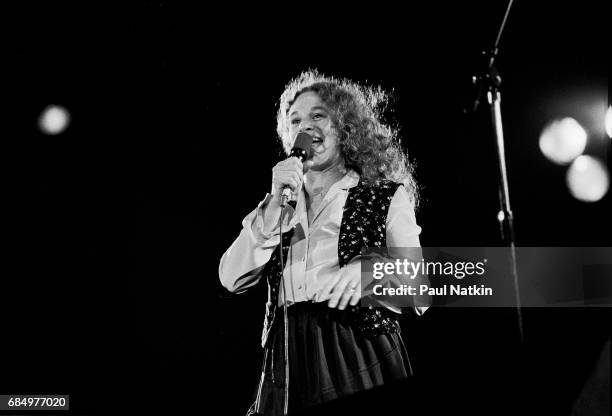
(355, 191)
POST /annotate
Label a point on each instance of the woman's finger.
(356, 296)
(338, 292)
(346, 296)
(352, 291)
(349, 282)
(327, 289)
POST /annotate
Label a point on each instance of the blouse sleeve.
(241, 265)
(403, 231)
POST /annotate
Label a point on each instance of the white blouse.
(313, 254)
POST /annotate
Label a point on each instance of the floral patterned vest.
(363, 225)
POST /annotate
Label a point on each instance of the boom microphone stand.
(489, 80)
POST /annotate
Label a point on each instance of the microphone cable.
(257, 404)
(302, 150)
(285, 318)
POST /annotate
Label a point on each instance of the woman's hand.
(288, 172)
(345, 288)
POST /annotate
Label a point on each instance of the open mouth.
(317, 140)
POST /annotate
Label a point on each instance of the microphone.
(301, 149)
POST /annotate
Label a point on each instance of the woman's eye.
(317, 116)
(295, 121)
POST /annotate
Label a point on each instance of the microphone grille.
(303, 141)
(302, 147)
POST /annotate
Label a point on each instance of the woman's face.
(310, 115)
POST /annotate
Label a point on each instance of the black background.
(115, 228)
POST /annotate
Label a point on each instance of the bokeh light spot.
(587, 179)
(609, 121)
(563, 140)
(53, 120)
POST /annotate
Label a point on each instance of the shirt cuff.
(257, 225)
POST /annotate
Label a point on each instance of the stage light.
(54, 119)
(563, 140)
(587, 179)
(608, 121)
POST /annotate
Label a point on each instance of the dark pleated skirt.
(328, 359)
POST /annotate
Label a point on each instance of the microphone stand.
(489, 80)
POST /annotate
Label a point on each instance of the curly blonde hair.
(369, 146)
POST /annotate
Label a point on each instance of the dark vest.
(363, 225)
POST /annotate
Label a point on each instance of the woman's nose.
(305, 127)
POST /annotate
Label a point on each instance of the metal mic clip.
(285, 197)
